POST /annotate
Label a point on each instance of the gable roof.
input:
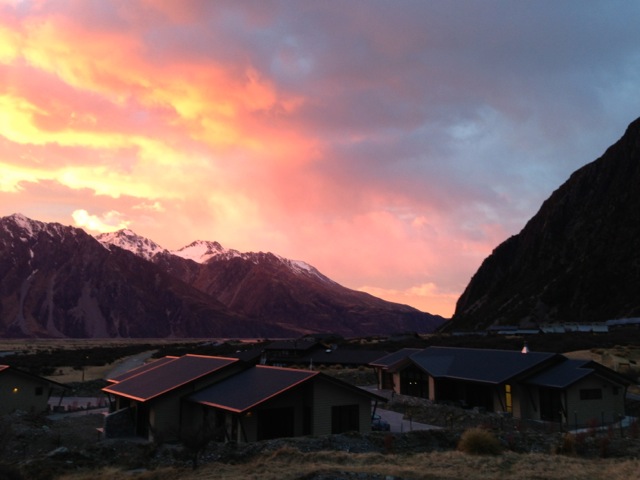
(569, 372)
(479, 365)
(345, 356)
(141, 369)
(169, 376)
(394, 359)
(9, 368)
(249, 388)
(297, 345)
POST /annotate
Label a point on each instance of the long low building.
(528, 385)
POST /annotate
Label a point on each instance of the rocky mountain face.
(576, 260)
(58, 281)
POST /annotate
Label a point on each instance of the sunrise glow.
(391, 148)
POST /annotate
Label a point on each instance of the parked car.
(379, 425)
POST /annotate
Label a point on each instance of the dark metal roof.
(169, 376)
(479, 365)
(251, 387)
(299, 345)
(569, 372)
(7, 368)
(141, 369)
(562, 375)
(342, 356)
(392, 359)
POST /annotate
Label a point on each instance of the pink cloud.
(393, 147)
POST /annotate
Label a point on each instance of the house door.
(276, 423)
(550, 405)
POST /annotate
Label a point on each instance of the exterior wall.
(585, 412)
(164, 417)
(522, 405)
(396, 382)
(527, 403)
(23, 392)
(119, 424)
(326, 396)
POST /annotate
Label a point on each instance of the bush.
(478, 441)
(568, 445)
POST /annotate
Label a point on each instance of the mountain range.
(59, 281)
(576, 260)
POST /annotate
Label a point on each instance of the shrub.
(568, 445)
(478, 441)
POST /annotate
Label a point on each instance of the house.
(146, 402)
(270, 402)
(21, 390)
(288, 352)
(307, 352)
(178, 397)
(388, 368)
(527, 385)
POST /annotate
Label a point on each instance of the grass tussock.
(478, 441)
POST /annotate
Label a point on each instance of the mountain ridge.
(576, 260)
(62, 282)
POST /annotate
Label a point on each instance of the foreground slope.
(576, 260)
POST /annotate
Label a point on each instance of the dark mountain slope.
(266, 287)
(59, 281)
(576, 260)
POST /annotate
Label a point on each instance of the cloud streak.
(391, 145)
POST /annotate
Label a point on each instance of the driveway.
(129, 363)
(399, 424)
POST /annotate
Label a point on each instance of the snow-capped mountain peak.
(128, 240)
(201, 251)
(23, 228)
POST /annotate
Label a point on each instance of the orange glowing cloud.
(389, 161)
(109, 222)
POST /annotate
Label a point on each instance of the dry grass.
(289, 464)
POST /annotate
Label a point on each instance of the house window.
(591, 394)
(508, 400)
(39, 391)
(616, 390)
(345, 418)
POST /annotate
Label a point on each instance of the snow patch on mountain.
(128, 240)
(202, 251)
(24, 229)
(24, 225)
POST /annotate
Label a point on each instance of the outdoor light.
(15, 389)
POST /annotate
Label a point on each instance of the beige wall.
(609, 408)
(526, 402)
(327, 395)
(18, 392)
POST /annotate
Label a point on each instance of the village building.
(527, 385)
(24, 391)
(229, 400)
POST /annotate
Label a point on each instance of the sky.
(391, 144)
